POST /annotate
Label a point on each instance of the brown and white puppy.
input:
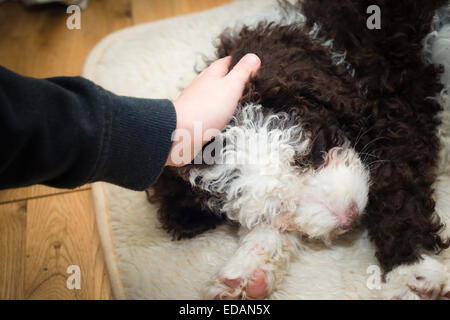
(338, 124)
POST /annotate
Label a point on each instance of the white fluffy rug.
(156, 60)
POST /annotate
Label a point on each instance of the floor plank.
(52, 49)
(64, 237)
(12, 249)
(36, 191)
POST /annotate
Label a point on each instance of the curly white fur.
(259, 181)
(256, 178)
(334, 196)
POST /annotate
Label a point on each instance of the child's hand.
(209, 102)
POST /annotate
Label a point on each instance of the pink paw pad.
(255, 289)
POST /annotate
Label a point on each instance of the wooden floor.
(43, 231)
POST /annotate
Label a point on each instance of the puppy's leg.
(256, 268)
(181, 210)
(426, 279)
(403, 226)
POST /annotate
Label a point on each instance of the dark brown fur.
(382, 111)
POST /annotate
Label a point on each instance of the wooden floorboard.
(37, 191)
(13, 220)
(44, 230)
(66, 237)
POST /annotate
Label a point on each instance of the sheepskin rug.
(156, 60)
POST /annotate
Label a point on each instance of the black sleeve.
(65, 132)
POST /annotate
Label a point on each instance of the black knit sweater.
(65, 132)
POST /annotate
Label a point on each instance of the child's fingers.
(244, 69)
(218, 69)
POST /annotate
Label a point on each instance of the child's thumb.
(244, 69)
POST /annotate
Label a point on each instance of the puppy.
(336, 128)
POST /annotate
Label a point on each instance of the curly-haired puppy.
(338, 126)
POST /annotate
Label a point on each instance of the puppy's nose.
(349, 217)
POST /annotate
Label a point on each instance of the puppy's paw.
(250, 274)
(425, 280)
(256, 267)
(247, 286)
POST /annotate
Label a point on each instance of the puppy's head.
(334, 195)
